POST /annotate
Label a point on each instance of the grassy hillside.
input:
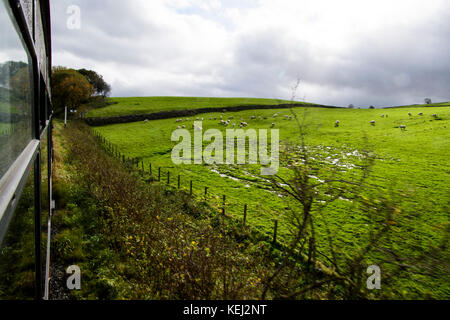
(145, 105)
(411, 164)
(438, 104)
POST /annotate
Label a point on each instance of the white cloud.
(361, 52)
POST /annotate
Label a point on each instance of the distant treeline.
(191, 112)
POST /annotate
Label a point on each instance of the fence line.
(113, 150)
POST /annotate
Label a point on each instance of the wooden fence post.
(275, 229)
(223, 209)
(245, 214)
(190, 192)
(150, 168)
(179, 182)
(159, 174)
(168, 177)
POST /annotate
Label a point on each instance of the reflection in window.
(15, 92)
(17, 263)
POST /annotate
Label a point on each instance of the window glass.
(15, 91)
(17, 258)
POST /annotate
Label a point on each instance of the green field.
(414, 161)
(146, 105)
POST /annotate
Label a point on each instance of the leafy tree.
(21, 87)
(8, 69)
(97, 81)
(69, 88)
(427, 101)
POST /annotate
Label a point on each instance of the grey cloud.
(390, 67)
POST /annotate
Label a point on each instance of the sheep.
(187, 119)
(336, 124)
(243, 124)
(273, 125)
(286, 117)
(146, 120)
(372, 122)
(178, 127)
(382, 115)
(275, 115)
(410, 114)
(184, 127)
(253, 117)
(178, 120)
(421, 114)
(434, 115)
(402, 127)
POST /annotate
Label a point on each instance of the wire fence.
(200, 191)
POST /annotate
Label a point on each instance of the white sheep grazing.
(243, 124)
(336, 124)
(372, 122)
(434, 115)
(253, 117)
(178, 127)
(402, 127)
(184, 127)
(273, 125)
(275, 115)
(286, 117)
(146, 120)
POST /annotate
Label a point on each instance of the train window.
(15, 91)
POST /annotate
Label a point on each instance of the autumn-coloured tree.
(21, 87)
(100, 86)
(69, 88)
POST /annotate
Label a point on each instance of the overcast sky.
(380, 53)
